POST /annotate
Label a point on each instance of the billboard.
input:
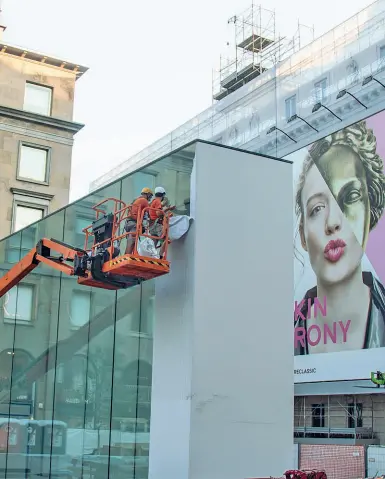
(339, 254)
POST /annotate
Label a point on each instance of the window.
(26, 215)
(28, 207)
(355, 415)
(147, 315)
(381, 59)
(18, 303)
(254, 124)
(233, 138)
(142, 323)
(26, 210)
(76, 385)
(80, 224)
(16, 249)
(38, 99)
(318, 415)
(33, 163)
(15, 362)
(291, 106)
(320, 90)
(80, 308)
(352, 73)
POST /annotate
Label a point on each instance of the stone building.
(36, 134)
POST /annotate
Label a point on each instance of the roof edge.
(23, 115)
(35, 56)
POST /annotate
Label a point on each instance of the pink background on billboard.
(376, 246)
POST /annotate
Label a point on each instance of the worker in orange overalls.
(136, 210)
(157, 216)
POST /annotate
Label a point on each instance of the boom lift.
(102, 265)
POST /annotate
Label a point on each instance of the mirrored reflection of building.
(76, 361)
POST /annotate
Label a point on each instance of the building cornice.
(53, 122)
(29, 55)
(36, 134)
(35, 194)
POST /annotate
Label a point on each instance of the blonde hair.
(362, 141)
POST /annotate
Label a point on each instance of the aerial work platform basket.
(100, 263)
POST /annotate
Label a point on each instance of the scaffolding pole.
(255, 46)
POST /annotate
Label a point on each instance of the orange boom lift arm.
(102, 265)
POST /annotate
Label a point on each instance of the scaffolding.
(338, 417)
(255, 47)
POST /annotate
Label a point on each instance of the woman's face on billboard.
(336, 214)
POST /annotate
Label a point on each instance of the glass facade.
(76, 362)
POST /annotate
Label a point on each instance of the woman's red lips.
(334, 250)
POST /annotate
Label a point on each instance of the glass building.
(76, 362)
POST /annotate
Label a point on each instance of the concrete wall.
(224, 325)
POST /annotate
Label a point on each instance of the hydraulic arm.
(43, 253)
(68, 260)
(101, 266)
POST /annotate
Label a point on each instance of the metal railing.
(358, 432)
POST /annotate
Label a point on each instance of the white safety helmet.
(160, 190)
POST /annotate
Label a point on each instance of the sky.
(150, 63)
